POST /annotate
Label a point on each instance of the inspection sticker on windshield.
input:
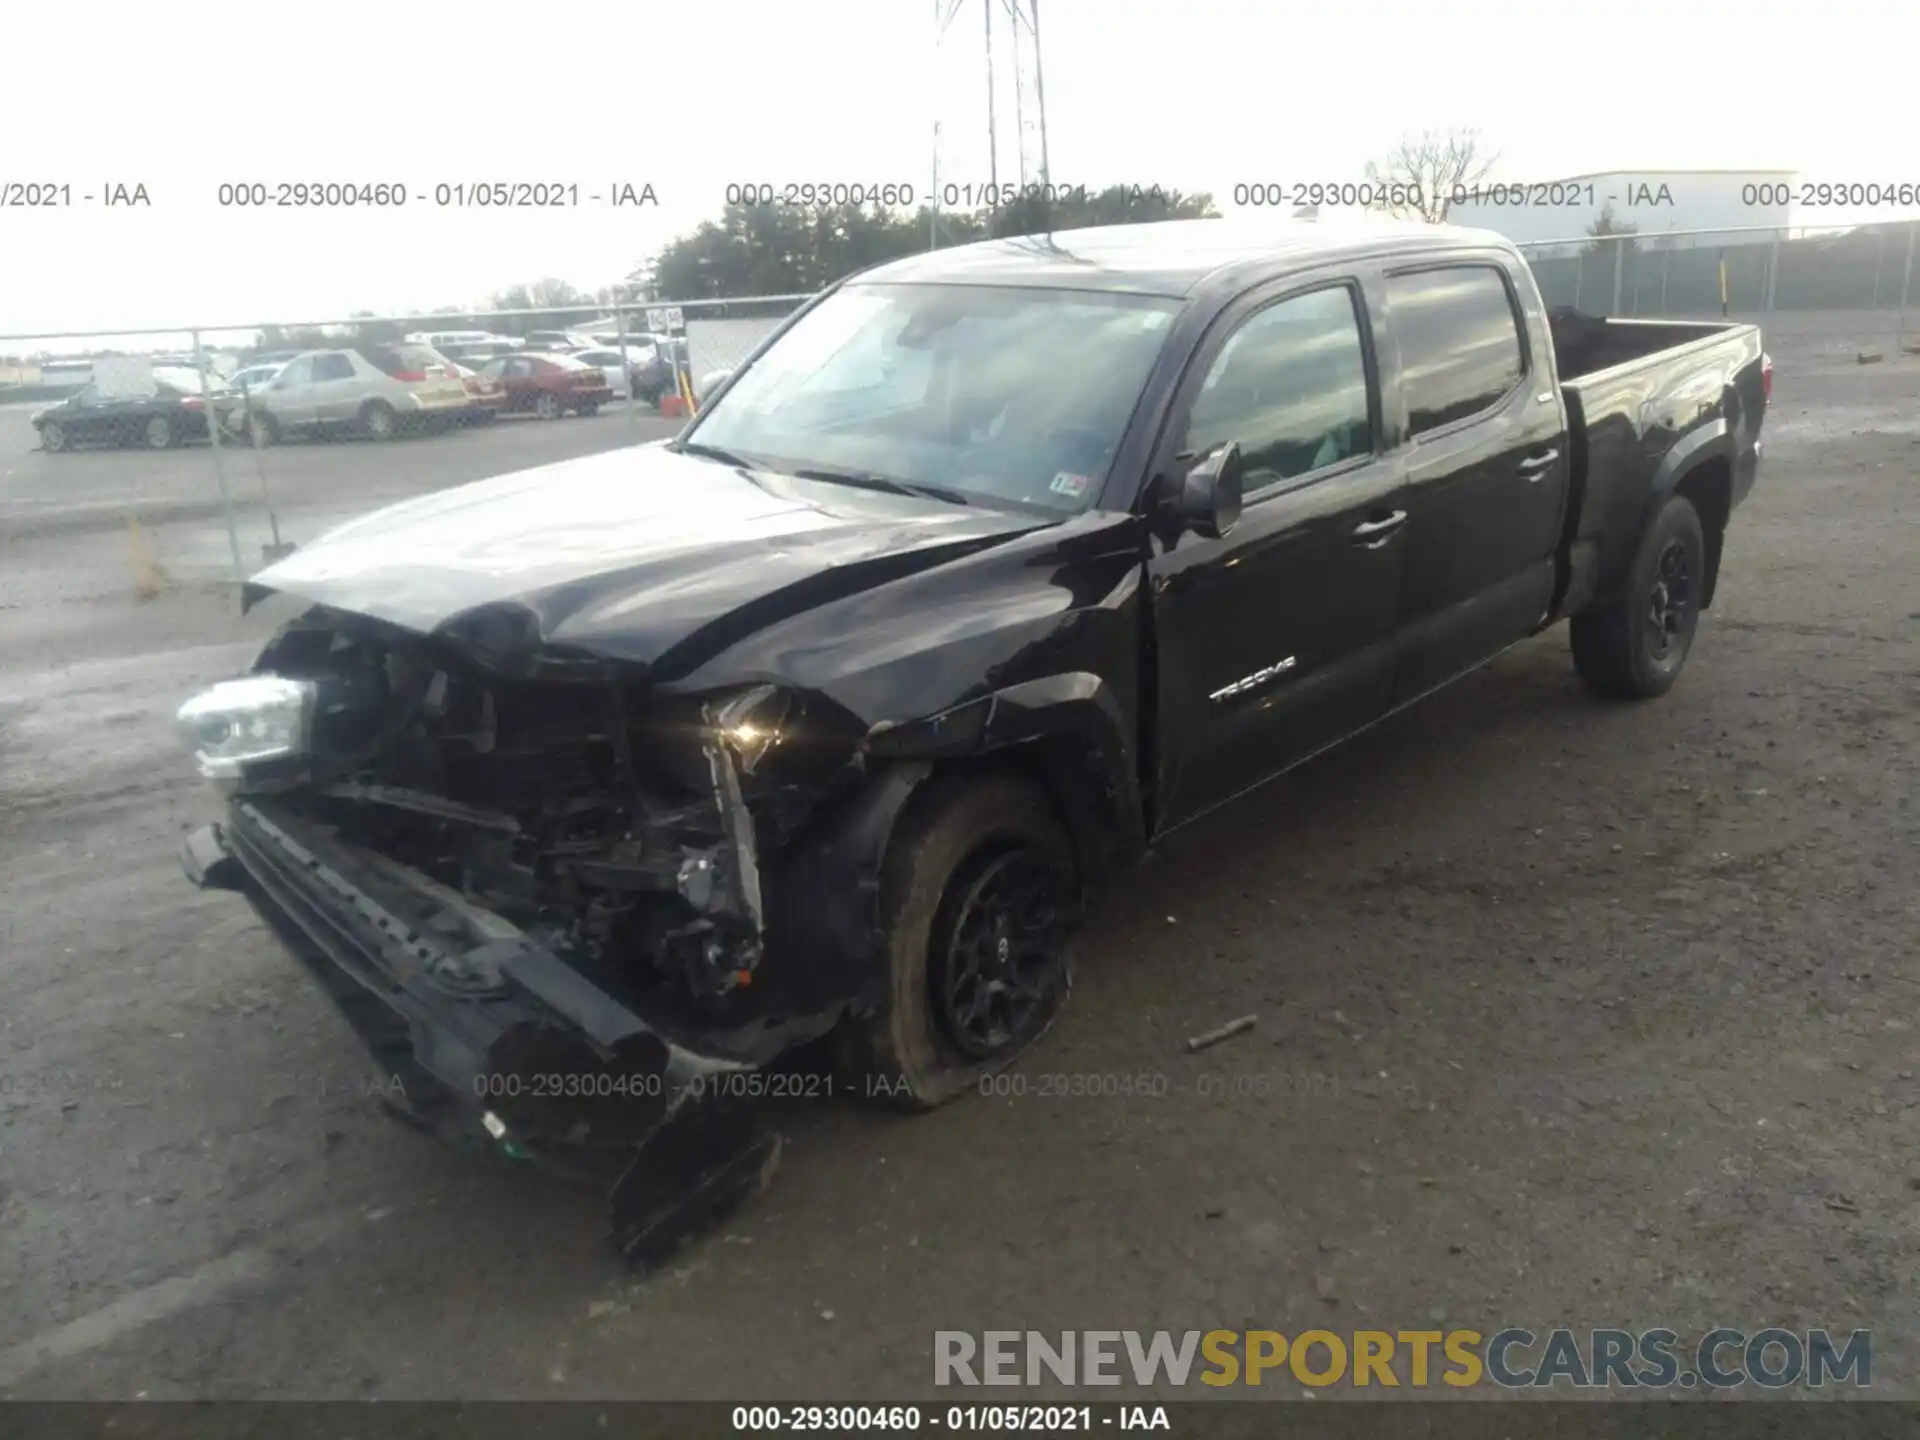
(1071, 485)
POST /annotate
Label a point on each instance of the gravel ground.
(1569, 1013)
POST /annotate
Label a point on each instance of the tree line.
(776, 250)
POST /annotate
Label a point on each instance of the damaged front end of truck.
(565, 908)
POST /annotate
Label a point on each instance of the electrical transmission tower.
(1014, 112)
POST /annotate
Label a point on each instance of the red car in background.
(548, 385)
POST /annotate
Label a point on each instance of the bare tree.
(1604, 225)
(1421, 174)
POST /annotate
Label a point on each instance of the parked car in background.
(183, 360)
(255, 377)
(475, 354)
(558, 342)
(441, 339)
(549, 385)
(245, 383)
(170, 408)
(373, 390)
(650, 359)
(624, 373)
(485, 397)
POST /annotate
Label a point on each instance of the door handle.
(1372, 534)
(1534, 465)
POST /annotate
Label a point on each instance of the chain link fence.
(181, 445)
(223, 499)
(1858, 279)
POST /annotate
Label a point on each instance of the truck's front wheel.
(1634, 648)
(980, 899)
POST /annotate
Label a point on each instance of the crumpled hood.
(631, 552)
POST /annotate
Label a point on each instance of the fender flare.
(1710, 441)
(828, 904)
(1107, 814)
(1714, 440)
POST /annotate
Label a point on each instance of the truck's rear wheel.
(980, 899)
(1635, 648)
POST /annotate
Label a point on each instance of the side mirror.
(1209, 499)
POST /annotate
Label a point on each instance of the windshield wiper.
(712, 452)
(872, 480)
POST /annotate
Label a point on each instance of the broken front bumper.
(479, 1030)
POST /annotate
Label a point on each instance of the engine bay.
(624, 829)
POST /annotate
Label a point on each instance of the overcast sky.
(1198, 94)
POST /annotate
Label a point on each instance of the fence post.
(1879, 263)
(626, 366)
(1906, 279)
(1773, 270)
(1666, 269)
(1619, 260)
(219, 464)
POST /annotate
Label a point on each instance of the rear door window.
(332, 367)
(399, 360)
(1459, 338)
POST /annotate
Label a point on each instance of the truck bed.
(1587, 344)
(1645, 399)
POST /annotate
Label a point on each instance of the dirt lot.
(1569, 1013)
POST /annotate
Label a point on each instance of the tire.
(262, 430)
(158, 433)
(589, 411)
(53, 437)
(377, 420)
(958, 840)
(548, 406)
(1635, 648)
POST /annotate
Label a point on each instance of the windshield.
(1000, 393)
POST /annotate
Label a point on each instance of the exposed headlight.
(239, 723)
(752, 723)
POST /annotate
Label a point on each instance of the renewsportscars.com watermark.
(1511, 1359)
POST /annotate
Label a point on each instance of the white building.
(1651, 201)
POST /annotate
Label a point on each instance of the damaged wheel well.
(1105, 836)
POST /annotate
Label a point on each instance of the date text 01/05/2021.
(952, 195)
(809, 1085)
(444, 194)
(1081, 1419)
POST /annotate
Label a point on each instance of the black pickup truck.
(593, 793)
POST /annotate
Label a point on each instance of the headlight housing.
(239, 725)
(753, 724)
